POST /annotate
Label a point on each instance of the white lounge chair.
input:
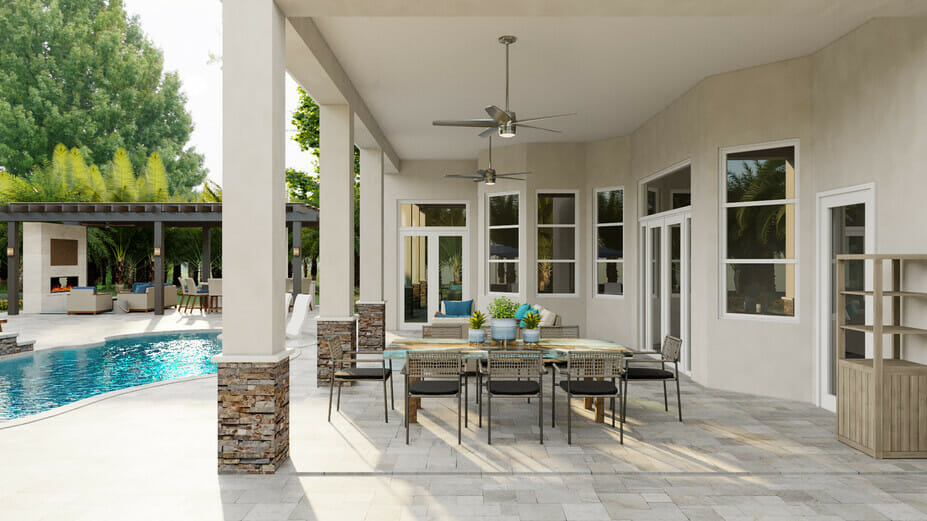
(289, 299)
(300, 313)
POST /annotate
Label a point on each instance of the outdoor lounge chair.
(513, 374)
(341, 373)
(669, 354)
(192, 296)
(592, 374)
(86, 300)
(300, 313)
(144, 301)
(433, 374)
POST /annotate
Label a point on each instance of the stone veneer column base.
(343, 328)
(371, 326)
(254, 416)
(9, 344)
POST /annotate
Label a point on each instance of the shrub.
(503, 307)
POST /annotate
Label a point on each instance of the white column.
(253, 222)
(336, 212)
(371, 225)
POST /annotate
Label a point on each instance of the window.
(760, 233)
(556, 243)
(609, 242)
(428, 215)
(503, 243)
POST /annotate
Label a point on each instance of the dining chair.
(669, 354)
(433, 374)
(513, 374)
(350, 373)
(548, 332)
(592, 374)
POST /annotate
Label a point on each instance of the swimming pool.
(43, 380)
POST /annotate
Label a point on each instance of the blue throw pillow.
(522, 311)
(140, 287)
(458, 308)
(94, 288)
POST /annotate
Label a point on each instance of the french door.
(666, 301)
(433, 266)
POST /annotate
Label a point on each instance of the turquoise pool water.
(44, 380)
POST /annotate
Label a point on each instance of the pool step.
(10, 345)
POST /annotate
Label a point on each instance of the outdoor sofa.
(141, 297)
(84, 299)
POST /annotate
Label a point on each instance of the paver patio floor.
(151, 454)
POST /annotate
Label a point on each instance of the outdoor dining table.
(553, 349)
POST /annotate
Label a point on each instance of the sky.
(188, 32)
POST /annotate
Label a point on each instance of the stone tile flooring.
(151, 455)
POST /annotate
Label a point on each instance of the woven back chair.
(340, 374)
(434, 374)
(593, 374)
(655, 370)
(671, 349)
(442, 331)
(559, 331)
(514, 374)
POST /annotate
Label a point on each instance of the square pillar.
(12, 267)
(158, 261)
(253, 392)
(336, 232)
(371, 308)
(206, 264)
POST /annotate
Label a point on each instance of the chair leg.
(458, 415)
(479, 398)
(467, 402)
(621, 433)
(331, 390)
(541, 413)
(624, 408)
(553, 403)
(385, 409)
(392, 392)
(678, 398)
(569, 420)
(338, 406)
(489, 418)
(665, 399)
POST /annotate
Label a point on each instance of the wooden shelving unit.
(881, 402)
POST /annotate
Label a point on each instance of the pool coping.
(80, 404)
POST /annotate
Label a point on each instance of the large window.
(556, 243)
(503, 243)
(609, 242)
(760, 233)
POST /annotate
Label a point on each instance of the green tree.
(82, 73)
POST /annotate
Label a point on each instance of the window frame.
(724, 205)
(576, 241)
(595, 240)
(489, 262)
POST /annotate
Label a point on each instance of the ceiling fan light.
(507, 130)
(490, 179)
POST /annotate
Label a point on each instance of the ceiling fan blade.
(509, 178)
(513, 173)
(459, 176)
(540, 118)
(522, 125)
(498, 115)
(464, 123)
(481, 172)
(488, 131)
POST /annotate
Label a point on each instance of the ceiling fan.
(489, 176)
(503, 121)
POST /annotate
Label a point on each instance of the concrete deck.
(151, 454)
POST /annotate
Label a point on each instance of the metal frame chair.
(518, 375)
(341, 374)
(556, 365)
(604, 368)
(433, 374)
(669, 354)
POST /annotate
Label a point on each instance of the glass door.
(433, 267)
(415, 277)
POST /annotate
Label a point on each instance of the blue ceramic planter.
(504, 329)
(531, 336)
(476, 336)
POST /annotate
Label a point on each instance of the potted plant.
(477, 335)
(531, 333)
(504, 326)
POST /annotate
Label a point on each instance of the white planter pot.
(504, 329)
(476, 336)
(531, 336)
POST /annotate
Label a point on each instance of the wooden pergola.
(157, 215)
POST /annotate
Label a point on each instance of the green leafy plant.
(477, 319)
(532, 320)
(503, 307)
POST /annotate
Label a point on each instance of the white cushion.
(548, 317)
(442, 309)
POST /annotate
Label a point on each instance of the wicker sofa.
(86, 300)
(137, 301)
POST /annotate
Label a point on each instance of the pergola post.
(371, 308)
(254, 368)
(336, 238)
(206, 264)
(12, 267)
(297, 258)
(158, 261)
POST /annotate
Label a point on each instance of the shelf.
(886, 293)
(888, 330)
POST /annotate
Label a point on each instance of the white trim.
(595, 248)
(519, 275)
(722, 235)
(666, 171)
(576, 240)
(641, 193)
(864, 194)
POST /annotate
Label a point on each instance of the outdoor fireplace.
(63, 284)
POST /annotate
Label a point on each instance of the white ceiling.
(614, 72)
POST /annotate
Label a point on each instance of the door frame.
(825, 201)
(681, 217)
(433, 235)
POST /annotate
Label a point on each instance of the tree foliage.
(82, 73)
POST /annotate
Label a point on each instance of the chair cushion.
(458, 307)
(522, 311)
(362, 373)
(514, 387)
(590, 387)
(140, 287)
(649, 373)
(434, 387)
(94, 288)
